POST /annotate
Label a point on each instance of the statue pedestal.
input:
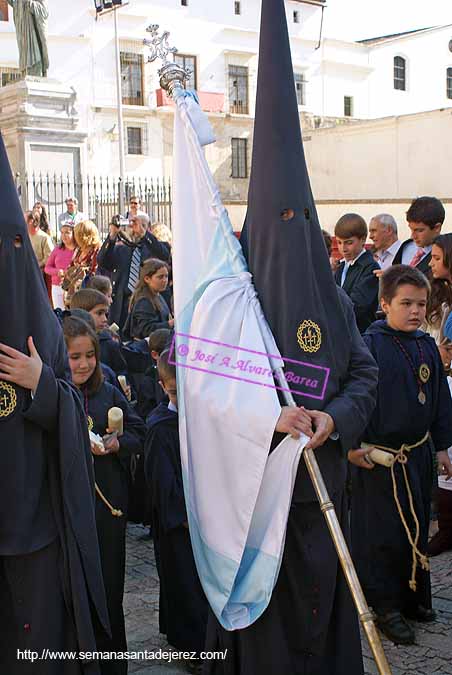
(40, 127)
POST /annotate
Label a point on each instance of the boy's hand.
(98, 450)
(358, 458)
(378, 273)
(324, 427)
(294, 421)
(20, 369)
(111, 444)
(444, 464)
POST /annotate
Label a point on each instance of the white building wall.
(82, 55)
(380, 166)
(427, 58)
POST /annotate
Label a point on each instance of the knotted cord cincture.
(400, 456)
(114, 512)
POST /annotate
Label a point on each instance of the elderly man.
(383, 232)
(72, 215)
(122, 254)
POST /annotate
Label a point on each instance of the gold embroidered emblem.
(8, 399)
(424, 373)
(90, 423)
(309, 336)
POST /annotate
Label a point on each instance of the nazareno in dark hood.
(282, 239)
(24, 305)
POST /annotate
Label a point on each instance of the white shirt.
(71, 219)
(348, 264)
(410, 251)
(386, 258)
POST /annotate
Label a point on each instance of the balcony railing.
(239, 108)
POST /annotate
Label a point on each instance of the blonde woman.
(162, 232)
(84, 262)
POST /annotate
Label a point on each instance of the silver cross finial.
(172, 75)
(159, 46)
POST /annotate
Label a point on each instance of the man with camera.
(128, 245)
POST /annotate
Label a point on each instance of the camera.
(120, 221)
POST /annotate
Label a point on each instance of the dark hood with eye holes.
(288, 258)
(24, 304)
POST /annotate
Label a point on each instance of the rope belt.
(401, 456)
(114, 512)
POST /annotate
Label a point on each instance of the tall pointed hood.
(282, 238)
(24, 304)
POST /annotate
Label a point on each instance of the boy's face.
(350, 248)
(406, 310)
(100, 316)
(423, 235)
(170, 388)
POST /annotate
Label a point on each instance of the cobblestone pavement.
(432, 654)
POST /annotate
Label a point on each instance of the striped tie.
(134, 272)
(416, 259)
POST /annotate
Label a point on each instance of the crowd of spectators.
(119, 296)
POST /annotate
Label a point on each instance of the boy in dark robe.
(389, 533)
(51, 589)
(97, 304)
(150, 394)
(183, 606)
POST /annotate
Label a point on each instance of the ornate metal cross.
(158, 45)
(172, 75)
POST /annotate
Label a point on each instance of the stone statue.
(30, 19)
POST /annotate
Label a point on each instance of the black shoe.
(396, 628)
(421, 614)
(441, 542)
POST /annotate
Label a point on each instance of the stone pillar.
(40, 127)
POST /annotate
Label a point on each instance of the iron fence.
(98, 196)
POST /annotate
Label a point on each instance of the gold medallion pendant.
(309, 336)
(8, 399)
(424, 373)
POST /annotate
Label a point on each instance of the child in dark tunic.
(110, 468)
(149, 395)
(98, 305)
(183, 606)
(391, 505)
(148, 310)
